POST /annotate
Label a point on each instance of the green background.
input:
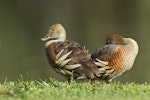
(24, 22)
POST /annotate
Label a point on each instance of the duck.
(68, 57)
(115, 57)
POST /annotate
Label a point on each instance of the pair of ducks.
(106, 63)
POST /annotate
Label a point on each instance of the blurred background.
(24, 22)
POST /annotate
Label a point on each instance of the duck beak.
(46, 37)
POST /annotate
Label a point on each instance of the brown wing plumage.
(79, 55)
(104, 52)
(116, 57)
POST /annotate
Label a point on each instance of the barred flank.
(116, 61)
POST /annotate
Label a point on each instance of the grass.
(55, 90)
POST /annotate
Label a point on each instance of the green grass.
(55, 90)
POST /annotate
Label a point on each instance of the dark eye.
(46, 36)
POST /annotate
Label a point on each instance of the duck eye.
(46, 36)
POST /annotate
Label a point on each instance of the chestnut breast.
(117, 61)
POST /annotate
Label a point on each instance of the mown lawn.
(55, 90)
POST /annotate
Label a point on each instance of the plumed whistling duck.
(116, 57)
(67, 57)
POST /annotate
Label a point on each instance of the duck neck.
(52, 41)
(131, 46)
(62, 36)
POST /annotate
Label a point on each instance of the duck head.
(56, 33)
(129, 44)
(115, 39)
